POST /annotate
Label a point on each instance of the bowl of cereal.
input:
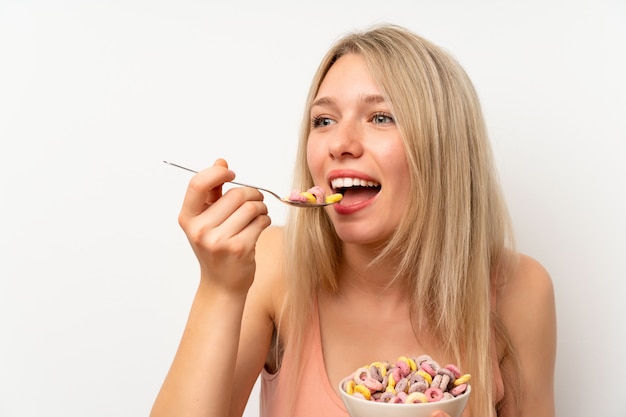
(410, 387)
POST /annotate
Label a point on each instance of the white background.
(96, 278)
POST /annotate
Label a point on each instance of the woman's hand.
(223, 228)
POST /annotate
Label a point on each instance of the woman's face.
(355, 148)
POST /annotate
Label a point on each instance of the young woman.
(416, 258)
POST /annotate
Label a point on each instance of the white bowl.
(358, 407)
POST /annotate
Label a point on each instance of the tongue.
(355, 195)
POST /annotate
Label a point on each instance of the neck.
(357, 274)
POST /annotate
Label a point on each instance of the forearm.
(200, 379)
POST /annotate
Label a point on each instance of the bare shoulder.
(270, 262)
(271, 239)
(526, 307)
(270, 256)
(528, 288)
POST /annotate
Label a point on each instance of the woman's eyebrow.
(323, 101)
(373, 99)
(367, 99)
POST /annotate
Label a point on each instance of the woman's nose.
(346, 142)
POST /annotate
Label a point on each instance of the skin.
(228, 336)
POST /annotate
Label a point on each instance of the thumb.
(221, 162)
(216, 193)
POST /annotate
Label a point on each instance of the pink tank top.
(315, 396)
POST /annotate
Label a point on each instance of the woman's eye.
(321, 121)
(382, 118)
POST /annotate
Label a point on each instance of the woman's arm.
(527, 308)
(223, 231)
(260, 314)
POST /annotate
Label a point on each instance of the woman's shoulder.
(526, 308)
(270, 253)
(529, 280)
(525, 301)
(272, 236)
(270, 268)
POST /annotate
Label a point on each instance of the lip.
(350, 173)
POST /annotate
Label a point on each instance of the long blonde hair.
(453, 239)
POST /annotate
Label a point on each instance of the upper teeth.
(352, 182)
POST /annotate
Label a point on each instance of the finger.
(252, 232)
(242, 218)
(245, 230)
(216, 193)
(227, 205)
(237, 234)
(221, 162)
(205, 188)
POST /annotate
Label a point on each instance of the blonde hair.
(448, 249)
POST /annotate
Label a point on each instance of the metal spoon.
(273, 194)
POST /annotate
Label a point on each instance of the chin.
(355, 235)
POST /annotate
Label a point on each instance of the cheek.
(393, 153)
(314, 159)
(399, 168)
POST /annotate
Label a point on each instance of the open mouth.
(355, 190)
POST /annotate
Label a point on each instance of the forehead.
(348, 80)
(348, 76)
